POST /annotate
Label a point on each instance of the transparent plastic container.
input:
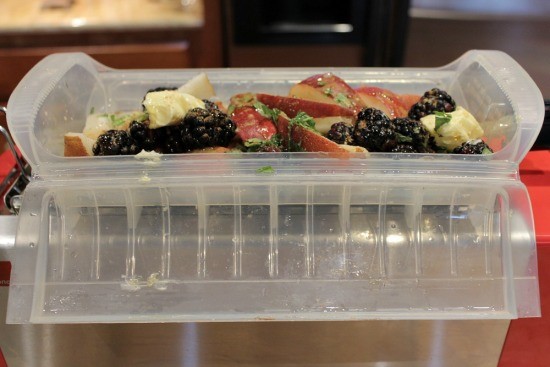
(200, 237)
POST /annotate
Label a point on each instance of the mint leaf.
(253, 142)
(265, 169)
(265, 111)
(257, 145)
(441, 118)
(403, 138)
(304, 120)
(343, 100)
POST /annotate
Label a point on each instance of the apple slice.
(309, 93)
(295, 135)
(251, 124)
(384, 100)
(324, 114)
(291, 106)
(327, 88)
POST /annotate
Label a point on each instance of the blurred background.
(242, 33)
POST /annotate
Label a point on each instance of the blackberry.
(404, 148)
(433, 100)
(477, 146)
(144, 137)
(433, 147)
(207, 128)
(374, 131)
(160, 89)
(209, 105)
(115, 142)
(341, 133)
(413, 133)
(169, 139)
(269, 148)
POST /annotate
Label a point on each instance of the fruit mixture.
(320, 114)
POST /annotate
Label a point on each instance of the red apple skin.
(292, 106)
(333, 87)
(252, 124)
(384, 100)
(308, 140)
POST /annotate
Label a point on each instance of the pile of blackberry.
(200, 128)
(376, 132)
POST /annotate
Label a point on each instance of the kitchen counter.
(79, 15)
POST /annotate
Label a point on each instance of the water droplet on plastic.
(31, 244)
(33, 214)
(287, 220)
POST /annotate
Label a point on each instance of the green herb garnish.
(321, 82)
(265, 169)
(343, 100)
(231, 109)
(301, 119)
(328, 91)
(142, 117)
(441, 118)
(265, 111)
(403, 138)
(258, 145)
(304, 120)
(116, 121)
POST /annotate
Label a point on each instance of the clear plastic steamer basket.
(208, 237)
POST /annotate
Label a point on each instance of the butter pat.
(168, 107)
(462, 127)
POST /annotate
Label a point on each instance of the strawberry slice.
(252, 125)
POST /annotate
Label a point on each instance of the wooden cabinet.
(153, 47)
(16, 62)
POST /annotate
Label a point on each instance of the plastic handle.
(523, 93)
(25, 101)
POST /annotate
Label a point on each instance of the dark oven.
(337, 32)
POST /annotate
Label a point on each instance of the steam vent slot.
(288, 251)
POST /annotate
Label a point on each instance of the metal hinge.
(18, 177)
